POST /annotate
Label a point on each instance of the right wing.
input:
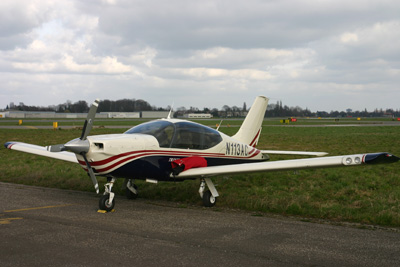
(322, 162)
(41, 151)
(285, 152)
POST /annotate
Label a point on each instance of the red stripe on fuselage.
(144, 153)
(155, 152)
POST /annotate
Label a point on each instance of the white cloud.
(349, 37)
(196, 52)
(145, 56)
(210, 73)
(35, 67)
(107, 65)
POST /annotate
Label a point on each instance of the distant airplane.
(175, 150)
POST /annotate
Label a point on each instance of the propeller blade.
(91, 174)
(87, 127)
(82, 145)
(56, 148)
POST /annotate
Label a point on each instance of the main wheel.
(104, 203)
(129, 194)
(208, 199)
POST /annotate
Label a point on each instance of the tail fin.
(250, 130)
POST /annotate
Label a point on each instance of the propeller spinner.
(81, 145)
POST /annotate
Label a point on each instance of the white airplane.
(175, 150)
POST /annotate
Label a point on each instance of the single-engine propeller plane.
(175, 150)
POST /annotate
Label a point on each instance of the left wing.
(335, 161)
(41, 151)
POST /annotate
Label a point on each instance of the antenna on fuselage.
(170, 111)
(220, 123)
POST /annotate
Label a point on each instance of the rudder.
(250, 130)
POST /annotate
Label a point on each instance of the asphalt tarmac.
(52, 227)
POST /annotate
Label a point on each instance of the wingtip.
(377, 158)
(8, 145)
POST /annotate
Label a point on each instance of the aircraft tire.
(129, 194)
(104, 203)
(208, 199)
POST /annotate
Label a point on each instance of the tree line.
(279, 110)
(133, 105)
(81, 106)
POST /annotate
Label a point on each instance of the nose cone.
(78, 146)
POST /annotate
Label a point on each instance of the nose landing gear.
(107, 201)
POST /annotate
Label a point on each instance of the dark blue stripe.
(8, 143)
(378, 158)
(159, 167)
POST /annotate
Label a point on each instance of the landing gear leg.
(210, 196)
(107, 201)
(131, 189)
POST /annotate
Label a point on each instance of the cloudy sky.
(316, 54)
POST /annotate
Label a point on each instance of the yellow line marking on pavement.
(39, 208)
(31, 127)
(8, 220)
(104, 211)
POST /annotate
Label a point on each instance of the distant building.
(28, 114)
(198, 116)
(122, 115)
(48, 115)
(155, 114)
(229, 114)
(102, 115)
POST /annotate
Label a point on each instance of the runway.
(237, 126)
(43, 227)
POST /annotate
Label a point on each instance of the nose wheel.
(106, 204)
(107, 201)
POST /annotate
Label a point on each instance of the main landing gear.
(107, 201)
(131, 191)
(210, 196)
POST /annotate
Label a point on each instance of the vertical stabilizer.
(250, 130)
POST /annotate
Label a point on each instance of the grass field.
(209, 122)
(367, 194)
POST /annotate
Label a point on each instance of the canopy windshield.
(185, 134)
(162, 130)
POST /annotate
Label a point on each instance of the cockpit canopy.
(181, 134)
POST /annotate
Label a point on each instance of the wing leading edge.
(323, 162)
(41, 151)
(303, 153)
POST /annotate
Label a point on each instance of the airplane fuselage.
(147, 150)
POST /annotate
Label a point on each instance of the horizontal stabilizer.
(41, 151)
